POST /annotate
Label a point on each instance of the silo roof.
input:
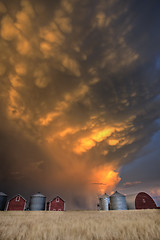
(38, 195)
(117, 194)
(104, 196)
(2, 194)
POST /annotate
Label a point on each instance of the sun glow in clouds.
(105, 178)
(88, 142)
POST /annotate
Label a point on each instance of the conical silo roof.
(118, 201)
(38, 195)
(117, 194)
(2, 194)
(104, 196)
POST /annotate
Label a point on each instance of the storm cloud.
(79, 95)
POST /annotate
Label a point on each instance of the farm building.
(118, 201)
(103, 202)
(3, 201)
(37, 202)
(17, 203)
(140, 200)
(56, 204)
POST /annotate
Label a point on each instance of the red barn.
(17, 203)
(56, 204)
(140, 200)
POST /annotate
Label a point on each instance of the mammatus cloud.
(78, 94)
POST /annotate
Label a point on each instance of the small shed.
(17, 203)
(56, 204)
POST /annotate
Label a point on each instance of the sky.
(79, 98)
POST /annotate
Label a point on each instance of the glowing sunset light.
(49, 118)
(113, 142)
(97, 135)
(105, 178)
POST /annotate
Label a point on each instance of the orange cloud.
(20, 69)
(8, 29)
(44, 121)
(105, 178)
(52, 34)
(113, 141)
(2, 69)
(70, 64)
(41, 76)
(46, 49)
(23, 46)
(67, 6)
(67, 131)
(96, 135)
(155, 191)
(63, 21)
(3, 9)
(15, 81)
(14, 108)
(131, 183)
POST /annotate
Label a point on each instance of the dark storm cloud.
(146, 164)
(79, 91)
(23, 162)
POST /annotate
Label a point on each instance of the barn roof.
(55, 198)
(17, 196)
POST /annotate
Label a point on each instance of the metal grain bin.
(104, 202)
(37, 202)
(3, 201)
(118, 201)
(140, 200)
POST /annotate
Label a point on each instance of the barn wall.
(57, 205)
(144, 201)
(140, 200)
(14, 205)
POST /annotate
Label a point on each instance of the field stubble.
(80, 225)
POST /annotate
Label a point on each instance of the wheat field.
(80, 225)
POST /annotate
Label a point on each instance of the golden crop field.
(80, 225)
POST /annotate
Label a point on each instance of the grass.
(80, 225)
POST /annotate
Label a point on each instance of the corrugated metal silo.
(37, 202)
(118, 201)
(104, 202)
(140, 200)
(3, 201)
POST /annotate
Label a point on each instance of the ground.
(80, 225)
